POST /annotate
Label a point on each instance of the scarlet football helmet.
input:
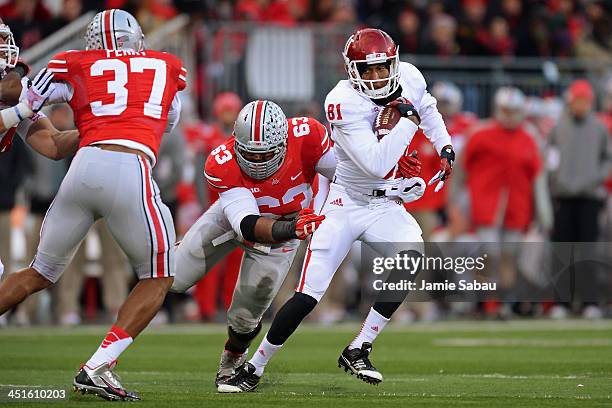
(114, 30)
(370, 46)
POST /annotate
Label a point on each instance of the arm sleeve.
(326, 166)
(376, 158)
(432, 124)
(237, 203)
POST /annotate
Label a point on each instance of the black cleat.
(103, 383)
(356, 361)
(230, 362)
(244, 380)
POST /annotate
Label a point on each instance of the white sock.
(370, 329)
(264, 353)
(115, 343)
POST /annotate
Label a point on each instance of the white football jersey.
(364, 162)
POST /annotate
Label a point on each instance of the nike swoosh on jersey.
(296, 176)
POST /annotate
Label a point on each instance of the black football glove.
(406, 109)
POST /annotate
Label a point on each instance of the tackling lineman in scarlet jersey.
(264, 175)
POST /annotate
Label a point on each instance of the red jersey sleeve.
(59, 66)
(221, 169)
(318, 142)
(181, 71)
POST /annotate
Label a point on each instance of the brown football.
(385, 121)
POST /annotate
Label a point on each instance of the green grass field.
(476, 364)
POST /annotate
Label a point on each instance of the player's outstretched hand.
(447, 158)
(410, 165)
(307, 222)
(40, 90)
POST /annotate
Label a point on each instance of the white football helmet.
(114, 30)
(9, 52)
(260, 129)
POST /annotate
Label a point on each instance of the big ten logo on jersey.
(292, 200)
(221, 154)
(135, 72)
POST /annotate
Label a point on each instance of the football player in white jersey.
(37, 131)
(364, 202)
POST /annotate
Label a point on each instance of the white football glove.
(411, 189)
(40, 90)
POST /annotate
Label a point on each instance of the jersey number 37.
(117, 86)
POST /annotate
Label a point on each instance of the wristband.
(15, 114)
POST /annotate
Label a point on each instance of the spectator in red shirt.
(441, 41)
(497, 40)
(501, 162)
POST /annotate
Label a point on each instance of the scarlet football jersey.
(120, 94)
(289, 189)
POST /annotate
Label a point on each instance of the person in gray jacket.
(580, 159)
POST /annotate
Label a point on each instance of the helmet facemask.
(264, 168)
(9, 52)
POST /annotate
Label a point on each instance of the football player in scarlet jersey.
(364, 201)
(263, 175)
(124, 100)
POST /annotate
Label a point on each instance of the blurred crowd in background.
(537, 169)
(432, 27)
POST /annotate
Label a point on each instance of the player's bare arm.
(10, 88)
(50, 142)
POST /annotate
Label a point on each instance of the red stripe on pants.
(159, 236)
